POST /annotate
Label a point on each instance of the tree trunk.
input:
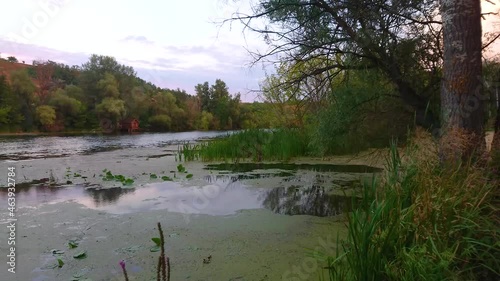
(495, 146)
(462, 105)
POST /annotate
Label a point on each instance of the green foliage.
(23, 90)
(160, 122)
(206, 121)
(108, 86)
(46, 115)
(10, 115)
(181, 168)
(120, 178)
(362, 113)
(111, 108)
(156, 247)
(221, 110)
(257, 145)
(423, 222)
(102, 89)
(166, 178)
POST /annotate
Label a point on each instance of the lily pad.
(156, 240)
(56, 252)
(72, 244)
(166, 178)
(188, 176)
(80, 255)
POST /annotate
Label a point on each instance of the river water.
(256, 220)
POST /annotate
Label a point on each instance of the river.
(257, 221)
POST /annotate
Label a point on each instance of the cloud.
(30, 52)
(167, 66)
(138, 39)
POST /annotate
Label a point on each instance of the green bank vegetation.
(98, 95)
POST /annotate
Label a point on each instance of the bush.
(160, 122)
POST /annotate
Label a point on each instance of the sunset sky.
(174, 44)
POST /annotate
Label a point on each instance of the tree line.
(50, 96)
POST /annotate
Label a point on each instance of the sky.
(171, 43)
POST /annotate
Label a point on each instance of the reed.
(423, 221)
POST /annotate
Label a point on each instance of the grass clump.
(423, 221)
(256, 145)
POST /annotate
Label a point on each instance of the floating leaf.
(128, 182)
(153, 176)
(60, 263)
(72, 244)
(80, 255)
(57, 252)
(181, 168)
(156, 240)
(166, 178)
(188, 176)
(154, 249)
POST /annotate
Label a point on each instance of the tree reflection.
(315, 201)
(106, 196)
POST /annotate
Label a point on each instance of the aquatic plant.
(166, 178)
(422, 221)
(163, 262)
(120, 178)
(181, 168)
(254, 144)
(124, 270)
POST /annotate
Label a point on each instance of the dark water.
(32, 147)
(249, 167)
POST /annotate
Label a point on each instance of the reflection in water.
(314, 201)
(107, 196)
(221, 196)
(249, 167)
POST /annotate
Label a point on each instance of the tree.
(12, 59)
(108, 86)
(215, 99)
(46, 115)
(401, 39)
(68, 109)
(161, 122)
(24, 91)
(10, 113)
(93, 71)
(462, 102)
(44, 73)
(111, 108)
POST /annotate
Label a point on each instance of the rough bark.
(462, 105)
